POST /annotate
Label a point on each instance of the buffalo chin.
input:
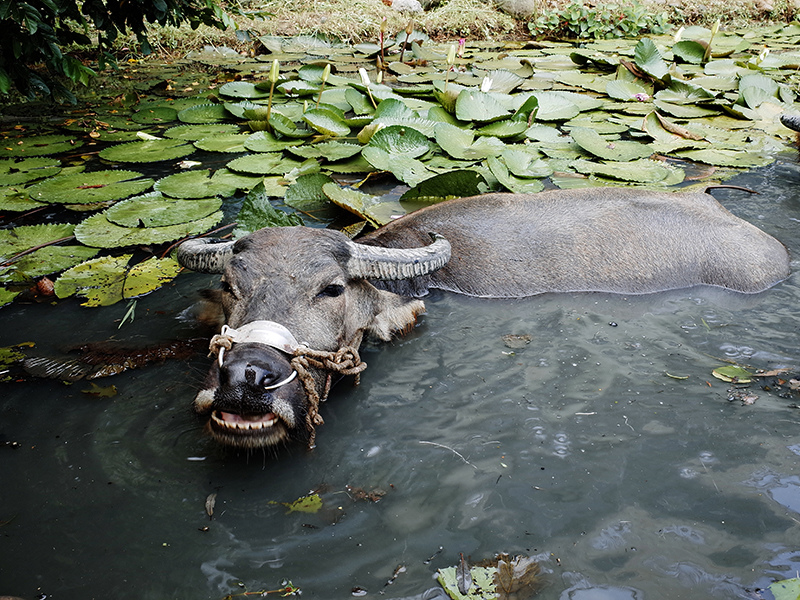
(249, 432)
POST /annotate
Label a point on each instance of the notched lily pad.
(90, 188)
(195, 184)
(17, 172)
(38, 145)
(147, 151)
(155, 210)
(203, 113)
(616, 150)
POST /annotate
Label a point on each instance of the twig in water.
(459, 455)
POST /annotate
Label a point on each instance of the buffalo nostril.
(250, 375)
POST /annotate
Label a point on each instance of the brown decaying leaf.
(677, 129)
(210, 502)
(517, 577)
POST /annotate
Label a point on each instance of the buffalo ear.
(395, 315)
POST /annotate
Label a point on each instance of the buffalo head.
(296, 302)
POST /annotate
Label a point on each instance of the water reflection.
(604, 447)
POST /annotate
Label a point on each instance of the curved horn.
(205, 255)
(791, 121)
(375, 262)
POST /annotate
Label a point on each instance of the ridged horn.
(375, 262)
(205, 255)
(791, 121)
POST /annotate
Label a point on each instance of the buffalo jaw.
(242, 412)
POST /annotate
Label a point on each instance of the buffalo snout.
(254, 399)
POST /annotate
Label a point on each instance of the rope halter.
(345, 361)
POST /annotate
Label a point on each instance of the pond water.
(578, 449)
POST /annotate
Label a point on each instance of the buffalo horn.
(375, 262)
(205, 255)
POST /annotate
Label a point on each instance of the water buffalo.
(297, 300)
(791, 121)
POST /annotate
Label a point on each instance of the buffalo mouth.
(247, 431)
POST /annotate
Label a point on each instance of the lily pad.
(17, 172)
(90, 188)
(203, 113)
(155, 210)
(460, 143)
(263, 141)
(194, 184)
(14, 199)
(19, 239)
(483, 107)
(648, 58)
(266, 163)
(733, 373)
(405, 168)
(453, 184)
(230, 143)
(159, 114)
(97, 231)
(356, 202)
(615, 150)
(107, 280)
(331, 150)
(728, 158)
(242, 89)
(198, 132)
(306, 193)
(38, 145)
(257, 212)
(147, 151)
(46, 261)
(513, 184)
(326, 122)
(397, 139)
(638, 171)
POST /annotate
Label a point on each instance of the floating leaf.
(157, 114)
(38, 145)
(307, 504)
(198, 132)
(326, 122)
(45, 261)
(203, 113)
(242, 89)
(513, 184)
(263, 141)
(7, 296)
(360, 204)
(460, 143)
(19, 239)
(628, 91)
(194, 184)
(689, 51)
(267, 163)
(15, 199)
(306, 193)
(683, 92)
(506, 128)
(89, 188)
(639, 171)
(155, 210)
(97, 231)
(257, 212)
(230, 142)
(615, 150)
(397, 140)
(453, 184)
(107, 280)
(17, 172)
(147, 151)
(788, 589)
(331, 150)
(733, 373)
(100, 391)
(405, 168)
(523, 163)
(728, 158)
(648, 58)
(285, 126)
(484, 107)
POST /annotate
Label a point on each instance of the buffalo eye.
(226, 287)
(331, 291)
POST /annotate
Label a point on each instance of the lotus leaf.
(397, 140)
(198, 132)
(242, 89)
(483, 107)
(19, 239)
(405, 168)
(728, 158)
(160, 114)
(648, 58)
(285, 126)
(97, 231)
(331, 151)
(523, 163)
(265, 163)
(89, 188)
(616, 150)
(257, 212)
(230, 143)
(263, 141)
(453, 184)
(155, 210)
(45, 261)
(147, 151)
(107, 280)
(356, 202)
(16, 172)
(203, 113)
(326, 122)
(193, 184)
(38, 145)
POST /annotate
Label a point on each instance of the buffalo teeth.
(243, 425)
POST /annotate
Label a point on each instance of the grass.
(360, 20)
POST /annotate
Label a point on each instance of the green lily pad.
(147, 151)
(265, 163)
(198, 132)
(513, 184)
(107, 280)
(203, 113)
(7, 296)
(45, 261)
(38, 145)
(160, 114)
(17, 172)
(756, 89)
(15, 199)
(155, 210)
(263, 141)
(787, 589)
(97, 231)
(89, 188)
(483, 107)
(226, 177)
(194, 184)
(638, 171)
(453, 184)
(242, 89)
(614, 150)
(689, 51)
(728, 158)
(285, 126)
(648, 58)
(733, 373)
(460, 143)
(19, 239)
(523, 163)
(360, 204)
(306, 193)
(628, 91)
(326, 122)
(257, 212)
(230, 143)
(331, 150)
(683, 92)
(397, 139)
(507, 128)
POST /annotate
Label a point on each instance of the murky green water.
(577, 448)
